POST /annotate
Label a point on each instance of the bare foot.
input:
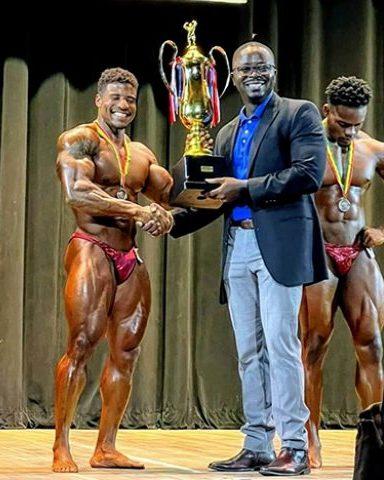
(63, 462)
(112, 459)
(314, 450)
(315, 460)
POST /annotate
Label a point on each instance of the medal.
(121, 194)
(123, 168)
(343, 204)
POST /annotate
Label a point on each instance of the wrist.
(245, 191)
(171, 222)
(136, 212)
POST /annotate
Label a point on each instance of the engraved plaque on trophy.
(194, 97)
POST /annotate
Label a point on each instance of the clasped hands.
(155, 220)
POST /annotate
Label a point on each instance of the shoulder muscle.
(79, 142)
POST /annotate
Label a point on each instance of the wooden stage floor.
(167, 454)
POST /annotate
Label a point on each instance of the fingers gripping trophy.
(194, 97)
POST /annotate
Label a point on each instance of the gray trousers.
(264, 317)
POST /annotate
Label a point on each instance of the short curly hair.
(348, 91)
(116, 75)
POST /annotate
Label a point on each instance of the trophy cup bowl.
(193, 96)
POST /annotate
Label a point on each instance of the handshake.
(154, 220)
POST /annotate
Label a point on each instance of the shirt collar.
(257, 112)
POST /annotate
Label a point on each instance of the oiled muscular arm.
(157, 188)
(76, 170)
(373, 237)
(159, 185)
(379, 150)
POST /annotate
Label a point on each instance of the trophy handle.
(162, 72)
(222, 51)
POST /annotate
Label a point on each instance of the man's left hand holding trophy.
(194, 97)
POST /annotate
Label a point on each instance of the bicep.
(74, 172)
(158, 185)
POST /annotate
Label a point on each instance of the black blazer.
(287, 164)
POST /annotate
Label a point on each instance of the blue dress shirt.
(242, 149)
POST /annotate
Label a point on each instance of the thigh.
(279, 307)
(243, 296)
(318, 308)
(362, 298)
(130, 311)
(89, 290)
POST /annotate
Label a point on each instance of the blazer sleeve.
(190, 220)
(308, 161)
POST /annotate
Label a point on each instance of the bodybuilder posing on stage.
(355, 283)
(107, 293)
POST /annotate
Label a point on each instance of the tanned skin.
(95, 306)
(360, 293)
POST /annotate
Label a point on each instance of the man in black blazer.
(272, 246)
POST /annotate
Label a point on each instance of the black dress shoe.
(244, 461)
(289, 462)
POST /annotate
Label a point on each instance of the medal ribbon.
(123, 169)
(348, 177)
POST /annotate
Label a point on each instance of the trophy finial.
(191, 27)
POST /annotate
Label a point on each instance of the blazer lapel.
(231, 140)
(233, 137)
(269, 115)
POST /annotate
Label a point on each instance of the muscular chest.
(363, 169)
(110, 172)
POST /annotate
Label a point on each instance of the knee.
(370, 352)
(315, 348)
(126, 359)
(81, 348)
(245, 358)
(246, 349)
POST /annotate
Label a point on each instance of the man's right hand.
(206, 142)
(373, 237)
(154, 220)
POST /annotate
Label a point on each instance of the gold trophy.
(194, 97)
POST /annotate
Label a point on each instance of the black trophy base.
(189, 176)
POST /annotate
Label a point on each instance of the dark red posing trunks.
(343, 256)
(124, 262)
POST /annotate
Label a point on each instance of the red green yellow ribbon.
(123, 166)
(344, 186)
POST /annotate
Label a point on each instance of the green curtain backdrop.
(187, 373)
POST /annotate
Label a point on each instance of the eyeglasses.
(261, 68)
